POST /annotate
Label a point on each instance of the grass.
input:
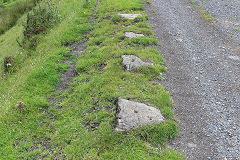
(10, 14)
(203, 12)
(84, 126)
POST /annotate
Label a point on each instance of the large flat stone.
(129, 16)
(131, 35)
(133, 115)
(131, 62)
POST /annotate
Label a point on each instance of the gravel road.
(204, 79)
(226, 14)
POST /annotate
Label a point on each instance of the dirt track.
(204, 79)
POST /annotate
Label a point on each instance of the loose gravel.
(203, 76)
(226, 14)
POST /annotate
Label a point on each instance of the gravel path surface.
(227, 14)
(203, 77)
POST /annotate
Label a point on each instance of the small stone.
(131, 62)
(179, 40)
(132, 35)
(222, 120)
(192, 145)
(236, 58)
(133, 115)
(129, 16)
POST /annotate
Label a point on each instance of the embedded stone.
(129, 16)
(134, 114)
(131, 35)
(236, 58)
(131, 62)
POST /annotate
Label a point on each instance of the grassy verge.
(84, 126)
(10, 14)
(25, 135)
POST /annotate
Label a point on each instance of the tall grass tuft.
(40, 19)
(10, 14)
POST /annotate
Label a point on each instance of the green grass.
(8, 43)
(232, 19)
(10, 14)
(84, 126)
(203, 12)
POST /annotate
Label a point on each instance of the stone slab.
(134, 114)
(131, 35)
(131, 62)
(129, 16)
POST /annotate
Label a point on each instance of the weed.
(140, 19)
(20, 106)
(116, 19)
(40, 19)
(207, 17)
(148, 1)
(193, 2)
(8, 64)
(152, 72)
(142, 25)
(9, 15)
(232, 19)
(203, 12)
(86, 4)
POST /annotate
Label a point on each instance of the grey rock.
(131, 62)
(133, 115)
(129, 16)
(132, 35)
(236, 58)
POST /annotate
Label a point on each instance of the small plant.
(148, 1)
(8, 64)
(86, 4)
(20, 106)
(142, 25)
(193, 2)
(40, 19)
(10, 15)
(116, 19)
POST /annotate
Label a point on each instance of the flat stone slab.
(131, 35)
(131, 62)
(133, 115)
(129, 16)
